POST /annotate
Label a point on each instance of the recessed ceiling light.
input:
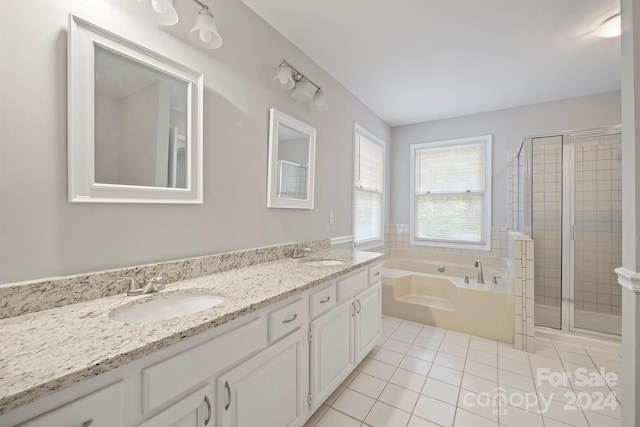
(610, 28)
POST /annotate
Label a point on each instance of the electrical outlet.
(330, 217)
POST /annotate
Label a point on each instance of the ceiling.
(412, 61)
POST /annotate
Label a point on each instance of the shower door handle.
(572, 234)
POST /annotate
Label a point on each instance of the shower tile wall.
(598, 247)
(547, 221)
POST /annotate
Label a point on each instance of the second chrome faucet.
(480, 273)
(154, 284)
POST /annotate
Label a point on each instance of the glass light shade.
(610, 28)
(319, 102)
(304, 91)
(204, 32)
(283, 79)
(161, 11)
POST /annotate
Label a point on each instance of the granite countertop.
(50, 350)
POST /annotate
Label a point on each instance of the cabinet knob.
(87, 423)
(324, 300)
(354, 309)
(359, 306)
(377, 273)
(206, 400)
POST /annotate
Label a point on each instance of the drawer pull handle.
(359, 306)
(377, 273)
(354, 309)
(206, 400)
(226, 385)
(323, 300)
(87, 423)
(290, 319)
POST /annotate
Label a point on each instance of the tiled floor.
(422, 376)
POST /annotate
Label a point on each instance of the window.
(451, 193)
(368, 178)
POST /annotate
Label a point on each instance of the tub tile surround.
(521, 250)
(397, 236)
(29, 369)
(28, 297)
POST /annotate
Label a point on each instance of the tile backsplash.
(397, 236)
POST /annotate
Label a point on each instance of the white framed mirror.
(135, 122)
(292, 153)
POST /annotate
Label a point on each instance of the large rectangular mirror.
(292, 150)
(135, 122)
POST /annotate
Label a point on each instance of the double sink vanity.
(259, 345)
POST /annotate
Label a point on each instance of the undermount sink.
(162, 307)
(324, 262)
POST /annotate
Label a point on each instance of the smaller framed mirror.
(135, 122)
(292, 153)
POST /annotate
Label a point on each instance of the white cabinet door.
(194, 410)
(368, 323)
(266, 390)
(331, 351)
(102, 408)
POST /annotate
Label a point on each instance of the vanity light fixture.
(610, 28)
(204, 32)
(304, 89)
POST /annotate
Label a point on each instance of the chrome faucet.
(301, 253)
(154, 284)
(480, 273)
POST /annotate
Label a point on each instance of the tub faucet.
(480, 274)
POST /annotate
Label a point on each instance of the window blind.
(368, 190)
(450, 193)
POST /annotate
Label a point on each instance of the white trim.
(485, 245)
(341, 240)
(628, 279)
(359, 130)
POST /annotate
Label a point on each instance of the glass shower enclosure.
(569, 200)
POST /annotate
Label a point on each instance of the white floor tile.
(412, 327)
(442, 391)
(453, 349)
(512, 353)
(562, 346)
(383, 415)
(421, 353)
(598, 419)
(481, 370)
(557, 411)
(353, 374)
(391, 321)
(334, 396)
(399, 397)
(408, 379)
(404, 336)
(313, 420)
(469, 419)
(479, 404)
(450, 361)
(522, 368)
(379, 370)
(419, 422)
(549, 422)
(386, 331)
(415, 365)
(333, 418)
(367, 385)
(354, 404)
(520, 382)
(516, 417)
(478, 385)
(435, 411)
(576, 359)
(528, 401)
(447, 375)
(484, 345)
(432, 343)
(456, 339)
(387, 356)
(482, 357)
(397, 346)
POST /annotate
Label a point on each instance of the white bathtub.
(414, 289)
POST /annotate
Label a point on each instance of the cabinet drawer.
(286, 319)
(352, 285)
(322, 300)
(102, 408)
(173, 376)
(374, 274)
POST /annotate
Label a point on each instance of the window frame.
(485, 244)
(368, 244)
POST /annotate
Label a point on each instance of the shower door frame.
(567, 283)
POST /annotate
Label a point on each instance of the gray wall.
(508, 127)
(43, 235)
